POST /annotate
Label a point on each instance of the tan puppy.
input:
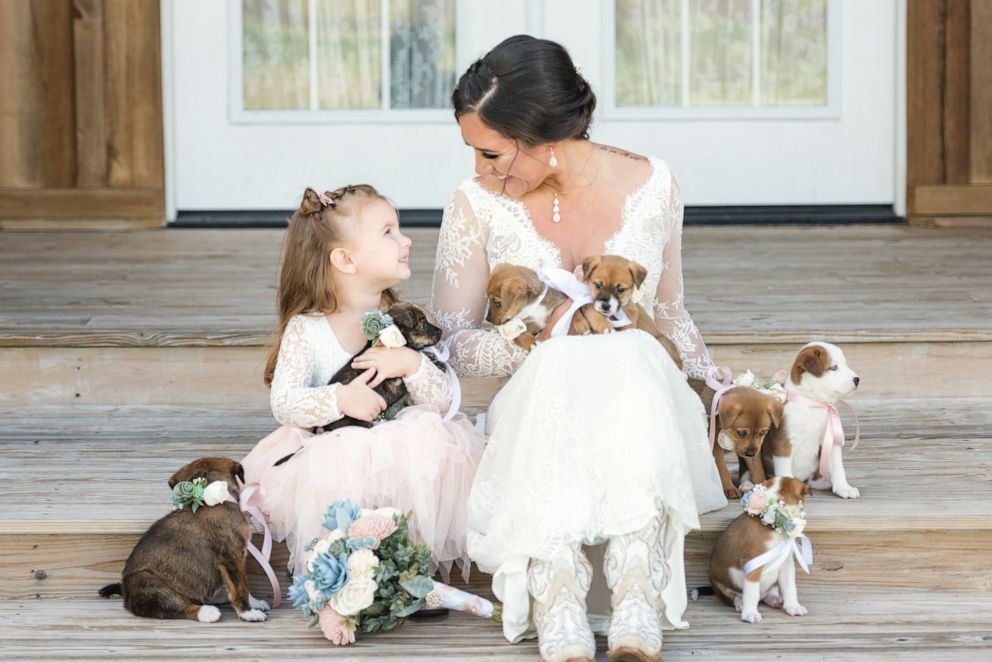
(612, 281)
(747, 538)
(744, 417)
(186, 558)
(515, 300)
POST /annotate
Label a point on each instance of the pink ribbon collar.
(833, 431)
(250, 504)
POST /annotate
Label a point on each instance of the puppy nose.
(750, 452)
(857, 380)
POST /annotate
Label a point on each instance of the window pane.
(794, 52)
(648, 53)
(275, 61)
(422, 53)
(349, 52)
(720, 53)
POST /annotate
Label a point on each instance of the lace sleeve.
(294, 401)
(670, 314)
(429, 385)
(461, 272)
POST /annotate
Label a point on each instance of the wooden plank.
(76, 225)
(69, 204)
(37, 114)
(973, 200)
(924, 108)
(956, 91)
(981, 93)
(134, 94)
(91, 125)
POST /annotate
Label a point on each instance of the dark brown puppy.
(612, 281)
(185, 559)
(744, 417)
(512, 288)
(418, 326)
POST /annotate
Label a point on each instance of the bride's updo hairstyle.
(528, 90)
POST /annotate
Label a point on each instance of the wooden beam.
(91, 124)
(981, 93)
(82, 203)
(950, 200)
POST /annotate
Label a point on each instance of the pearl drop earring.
(554, 160)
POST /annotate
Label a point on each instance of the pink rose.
(377, 526)
(336, 627)
(757, 502)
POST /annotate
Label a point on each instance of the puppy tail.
(111, 589)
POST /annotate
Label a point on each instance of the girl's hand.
(388, 362)
(358, 400)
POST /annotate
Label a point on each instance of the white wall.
(216, 164)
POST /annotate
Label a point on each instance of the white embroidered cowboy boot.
(636, 574)
(559, 590)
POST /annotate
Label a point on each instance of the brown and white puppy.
(185, 559)
(612, 281)
(820, 372)
(744, 417)
(514, 294)
(747, 538)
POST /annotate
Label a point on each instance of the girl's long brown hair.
(315, 229)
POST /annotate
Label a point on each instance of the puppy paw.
(732, 493)
(258, 604)
(253, 616)
(751, 616)
(773, 600)
(208, 614)
(795, 610)
(847, 492)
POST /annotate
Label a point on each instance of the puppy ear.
(729, 411)
(184, 473)
(514, 287)
(637, 272)
(239, 472)
(588, 266)
(809, 360)
(775, 409)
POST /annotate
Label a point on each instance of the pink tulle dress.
(416, 462)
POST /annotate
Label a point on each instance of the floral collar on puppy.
(195, 493)
(771, 387)
(787, 519)
(381, 329)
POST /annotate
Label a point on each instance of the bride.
(594, 438)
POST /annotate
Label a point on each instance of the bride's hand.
(553, 318)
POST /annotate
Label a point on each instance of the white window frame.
(831, 110)
(240, 115)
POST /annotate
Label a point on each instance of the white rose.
(511, 329)
(321, 547)
(798, 529)
(777, 391)
(386, 512)
(725, 441)
(334, 536)
(215, 492)
(356, 595)
(747, 379)
(312, 591)
(391, 336)
(362, 564)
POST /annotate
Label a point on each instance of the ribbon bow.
(442, 355)
(833, 431)
(567, 283)
(713, 381)
(799, 547)
(250, 504)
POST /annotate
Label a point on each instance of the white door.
(750, 101)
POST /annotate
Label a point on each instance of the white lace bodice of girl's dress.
(310, 354)
(481, 229)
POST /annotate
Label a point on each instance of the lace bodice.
(310, 354)
(481, 229)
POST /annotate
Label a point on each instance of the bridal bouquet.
(364, 575)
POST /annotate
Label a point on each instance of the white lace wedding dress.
(593, 436)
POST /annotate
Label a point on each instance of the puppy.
(186, 558)
(612, 281)
(515, 299)
(747, 538)
(420, 330)
(744, 417)
(820, 373)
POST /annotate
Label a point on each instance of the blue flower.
(340, 515)
(361, 542)
(329, 573)
(298, 594)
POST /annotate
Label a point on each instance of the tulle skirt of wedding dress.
(591, 438)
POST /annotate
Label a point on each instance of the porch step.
(844, 623)
(83, 483)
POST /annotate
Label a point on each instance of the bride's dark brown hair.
(315, 229)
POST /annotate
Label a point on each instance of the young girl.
(343, 252)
